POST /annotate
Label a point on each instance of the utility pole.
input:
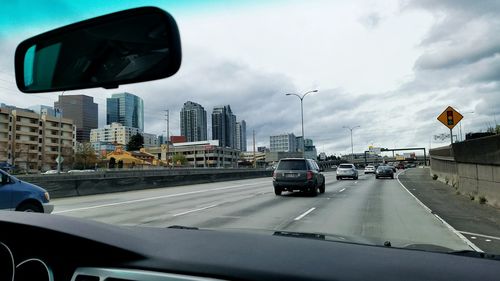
(167, 125)
(60, 139)
(254, 159)
(167, 142)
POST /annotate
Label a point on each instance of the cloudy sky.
(389, 66)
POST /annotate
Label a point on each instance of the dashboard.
(52, 247)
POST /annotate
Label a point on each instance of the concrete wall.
(66, 185)
(480, 181)
(472, 167)
(446, 170)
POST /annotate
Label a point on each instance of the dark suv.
(298, 174)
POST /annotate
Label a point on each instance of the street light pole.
(352, 144)
(302, 115)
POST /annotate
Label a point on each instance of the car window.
(292, 165)
(345, 166)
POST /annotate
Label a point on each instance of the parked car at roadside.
(18, 195)
(347, 171)
(49, 172)
(297, 174)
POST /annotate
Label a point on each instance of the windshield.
(348, 84)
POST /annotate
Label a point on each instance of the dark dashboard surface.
(66, 244)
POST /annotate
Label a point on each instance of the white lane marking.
(463, 238)
(342, 190)
(355, 182)
(195, 210)
(487, 240)
(152, 198)
(305, 214)
(482, 235)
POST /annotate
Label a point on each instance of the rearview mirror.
(130, 46)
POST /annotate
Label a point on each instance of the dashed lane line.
(195, 210)
(304, 214)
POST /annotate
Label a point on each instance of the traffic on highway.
(111, 184)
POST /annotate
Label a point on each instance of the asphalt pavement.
(479, 223)
(367, 209)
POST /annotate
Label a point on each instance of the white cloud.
(392, 78)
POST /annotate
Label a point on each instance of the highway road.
(377, 210)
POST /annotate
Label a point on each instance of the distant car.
(347, 171)
(401, 166)
(384, 172)
(50, 172)
(80, 171)
(334, 167)
(370, 169)
(298, 174)
(18, 195)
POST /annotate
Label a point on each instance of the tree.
(120, 164)
(85, 157)
(136, 142)
(179, 159)
(112, 163)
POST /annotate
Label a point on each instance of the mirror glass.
(104, 52)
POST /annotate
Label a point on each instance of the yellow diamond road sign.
(450, 117)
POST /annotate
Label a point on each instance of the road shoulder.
(480, 224)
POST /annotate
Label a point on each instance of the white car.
(50, 172)
(347, 171)
(370, 169)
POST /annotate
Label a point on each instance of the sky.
(389, 66)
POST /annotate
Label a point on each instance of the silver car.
(347, 171)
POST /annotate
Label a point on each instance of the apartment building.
(30, 141)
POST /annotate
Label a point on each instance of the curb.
(463, 238)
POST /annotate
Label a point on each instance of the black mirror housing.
(130, 46)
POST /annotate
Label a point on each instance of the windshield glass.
(292, 165)
(343, 83)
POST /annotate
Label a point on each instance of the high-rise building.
(31, 142)
(126, 109)
(241, 135)
(283, 143)
(224, 126)
(115, 133)
(310, 151)
(193, 122)
(83, 110)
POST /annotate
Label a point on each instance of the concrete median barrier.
(68, 185)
